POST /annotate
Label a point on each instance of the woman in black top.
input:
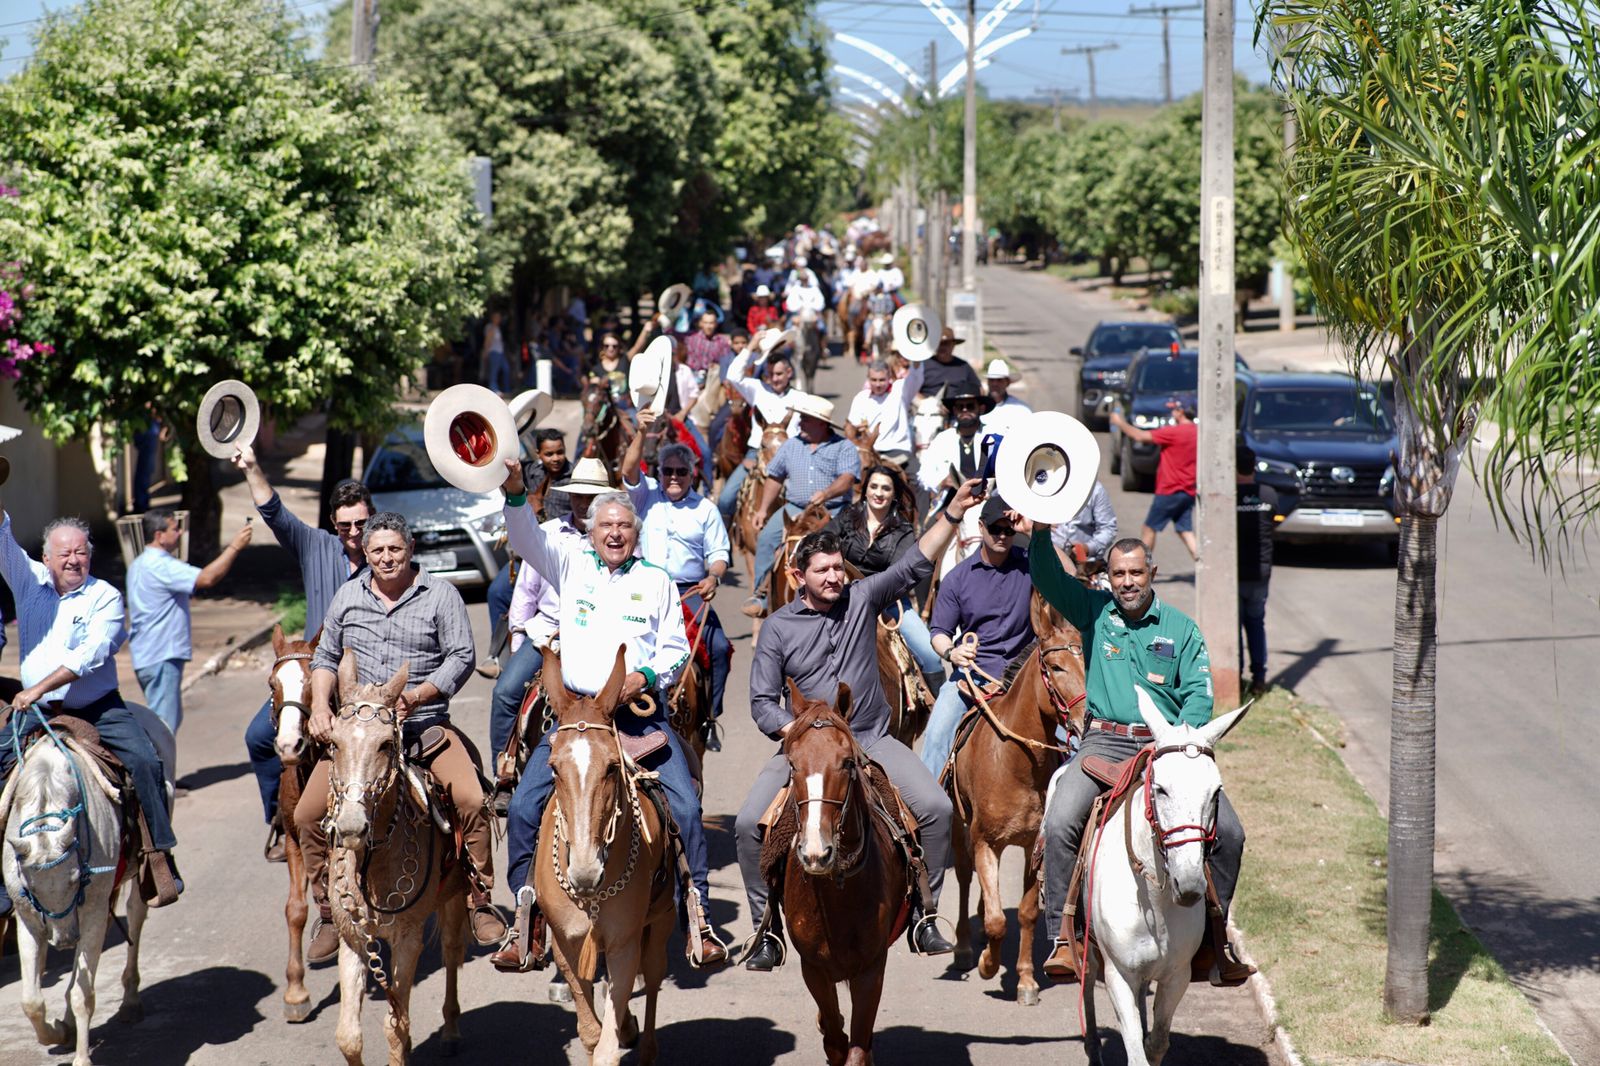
(874, 532)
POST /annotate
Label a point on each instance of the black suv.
(1324, 448)
(1155, 378)
(1105, 362)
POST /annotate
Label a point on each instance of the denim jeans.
(940, 735)
(499, 377)
(262, 744)
(770, 542)
(716, 641)
(915, 631)
(521, 667)
(729, 496)
(1253, 619)
(538, 781)
(163, 690)
(498, 597)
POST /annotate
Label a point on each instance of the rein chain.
(591, 901)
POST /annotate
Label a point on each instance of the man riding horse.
(823, 638)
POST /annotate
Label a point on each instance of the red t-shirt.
(759, 316)
(1175, 467)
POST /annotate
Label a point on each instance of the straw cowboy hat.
(1046, 466)
(649, 374)
(762, 290)
(674, 299)
(773, 339)
(998, 368)
(809, 406)
(589, 478)
(229, 419)
(530, 408)
(886, 259)
(916, 328)
(469, 434)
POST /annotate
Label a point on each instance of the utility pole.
(1286, 317)
(934, 231)
(364, 35)
(969, 164)
(1088, 51)
(1217, 572)
(1164, 12)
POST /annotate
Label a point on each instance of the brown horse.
(865, 441)
(290, 682)
(599, 896)
(605, 432)
(844, 889)
(745, 529)
(998, 782)
(390, 869)
(780, 585)
(731, 446)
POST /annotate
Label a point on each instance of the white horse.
(63, 826)
(1147, 910)
(927, 419)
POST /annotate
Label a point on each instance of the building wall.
(46, 480)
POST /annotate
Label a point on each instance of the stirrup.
(753, 941)
(935, 918)
(695, 943)
(533, 954)
(711, 734)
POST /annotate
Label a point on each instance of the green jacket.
(1118, 653)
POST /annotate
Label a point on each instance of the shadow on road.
(1189, 1050)
(1535, 935)
(212, 775)
(509, 1030)
(173, 1029)
(748, 1041)
(905, 1045)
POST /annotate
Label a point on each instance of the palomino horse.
(604, 434)
(390, 867)
(290, 682)
(845, 887)
(1146, 896)
(997, 782)
(63, 824)
(599, 899)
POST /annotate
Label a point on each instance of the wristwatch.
(948, 517)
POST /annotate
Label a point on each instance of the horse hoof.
(987, 967)
(130, 1014)
(561, 993)
(962, 959)
(450, 1046)
(1028, 997)
(297, 1012)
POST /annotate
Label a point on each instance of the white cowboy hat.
(1046, 466)
(589, 478)
(886, 259)
(811, 406)
(998, 368)
(470, 434)
(773, 339)
(799, 262)
(229, 418)
(674, 299)
(530, 408)
(649, 374)
(916, 332)
(762, 290)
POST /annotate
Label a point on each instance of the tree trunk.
(1411, 773)
(338, 457)
(204, 505)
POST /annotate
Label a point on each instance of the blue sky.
(1029, 67)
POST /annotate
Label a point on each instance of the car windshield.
(402, 465)
(1169, 375)
(1349, 410)
(1120, 340)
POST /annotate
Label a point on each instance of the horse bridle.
(297, 704)
(591, 900)
(604, 415)
(365, 711)
(1064, 707)
(844, 865)
(1207, 835)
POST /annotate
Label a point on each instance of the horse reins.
(1063, 707)
(298, 704)
(844, 866)
(590, 901)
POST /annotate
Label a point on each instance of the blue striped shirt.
(323, 564)
(808, 469)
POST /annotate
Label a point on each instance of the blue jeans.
(163, 690)
(499, 378)
(769, 542)
(915, 631)
(1253, 619)
(941, 733)
(498, 599)
(122, 734)
(717, 642)
(521, 667)
(262, 743)
(533, 792)
(730, 488)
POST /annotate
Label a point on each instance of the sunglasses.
(350, 527)
(1001, 529)
(674, 471)
(963, 407)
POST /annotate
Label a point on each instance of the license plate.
(435, 561)
(1342, 518)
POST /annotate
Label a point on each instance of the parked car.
(1155, 378)
(1106, 355)
(1325, 448)
(456, 531)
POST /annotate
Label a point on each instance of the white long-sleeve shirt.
(943, 455)
(775, 407)
(890, 413)
(1004, 415)
(635, 606)
(535, 605)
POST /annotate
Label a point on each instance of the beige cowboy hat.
(916, 332)
(1046, 466)
(886, 259)
(998, 368)
(808, 405)
(649, 374)
(469, 434)
(673, 299)
(773, 339)
(229, 419)
(589, 478)
(529, 408)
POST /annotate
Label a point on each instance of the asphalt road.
(1518, 812)
(213, 964)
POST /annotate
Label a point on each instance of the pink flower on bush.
(13, 350)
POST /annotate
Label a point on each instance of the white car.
(458, 533)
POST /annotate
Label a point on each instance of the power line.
(1165, 12)
(1087, 51)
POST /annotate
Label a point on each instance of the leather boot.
(765, 956)
(713, 952)
(488, 928)
(524, 946)
(324, 946)
(923, 935)
(1062, 965)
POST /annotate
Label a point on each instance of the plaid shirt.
(705, 352)
(807, 470)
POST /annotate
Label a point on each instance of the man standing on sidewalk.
(1254, 533)
(159, 586)
(1175, 474)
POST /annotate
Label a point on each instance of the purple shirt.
(991, 601)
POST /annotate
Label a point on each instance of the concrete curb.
(215, 664)
(1261, 989)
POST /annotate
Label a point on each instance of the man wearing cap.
(1007, 408)
(827, 636)
(761, 314)
(327, 561)
(884, 404)
(818, 466)
(771, 396)
(988, 595)
(608, 597)
(948, 371)
(1130, 637)
(681, 531)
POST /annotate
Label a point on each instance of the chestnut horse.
(997, 780)
(601, 896)
(604, 431)
(728, 450)
(745, 530)
(290, 681)
(844, 888)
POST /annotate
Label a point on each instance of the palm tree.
(1443, 191)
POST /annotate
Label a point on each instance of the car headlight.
(1386, 483)
(1278, 471)
(1147, 421)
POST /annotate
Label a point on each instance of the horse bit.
(1198, 834)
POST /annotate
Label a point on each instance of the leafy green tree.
(1442, 192)
(202, 202)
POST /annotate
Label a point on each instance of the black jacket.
(1254, 534)
(865, 554)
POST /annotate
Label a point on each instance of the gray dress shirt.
(428, 630)
(820, 650)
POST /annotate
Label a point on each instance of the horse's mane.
(812, 711)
